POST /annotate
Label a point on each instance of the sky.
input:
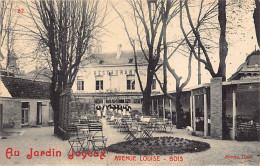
(240, 36)
(241, 39)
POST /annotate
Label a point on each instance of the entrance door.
(1, 117)
(199, 112)
(39, 113)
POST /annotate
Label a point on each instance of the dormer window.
(101, 62)
(130, 60)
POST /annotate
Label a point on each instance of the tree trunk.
(147, 91)
(146, 103)
(55, 103)
(223, 45)
(256, 17)
(179, 111)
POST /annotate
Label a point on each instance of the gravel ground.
(42, 139)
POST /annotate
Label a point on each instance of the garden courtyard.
(18, 145)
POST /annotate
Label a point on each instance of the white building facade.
(111, 79)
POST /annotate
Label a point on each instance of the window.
(25, 112)
(127, 100)
(154, 84)
(137, 100)
(80, 85)
(130, 83)
(99, 85)
(114, 100)
(121, 101)
(99, 101)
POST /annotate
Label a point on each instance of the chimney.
(119, 50)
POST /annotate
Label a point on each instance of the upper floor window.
(80, 85)
(130, 60)
(154, 84)
(99, 84)
(130, 83)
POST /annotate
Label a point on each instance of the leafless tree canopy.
(7, 26)
(66, 29)
(222, 44)
(147, 18)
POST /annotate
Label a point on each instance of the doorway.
(39, 113)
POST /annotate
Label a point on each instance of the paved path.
(42, 139)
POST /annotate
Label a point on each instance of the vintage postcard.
(129, 82)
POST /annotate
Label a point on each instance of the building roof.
(126, 57)
(250, 67)
(43, 74)
(27, 89)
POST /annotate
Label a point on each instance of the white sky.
(241, 43)
(242, 40)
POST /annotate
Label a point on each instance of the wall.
(12, 114)
(114, 83)
(33, 111)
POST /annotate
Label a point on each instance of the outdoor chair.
(148, 130)
(119, 125)
(111, 120)
(75, 140)
(131, 133)
(170, 125)
(123, 127)
(160, 125)
(75, 120)
(96, 137)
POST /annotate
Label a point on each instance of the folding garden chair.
(131, 133)
(147, 131)
(96, 136)
(75, 140)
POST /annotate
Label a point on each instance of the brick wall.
(216, 107)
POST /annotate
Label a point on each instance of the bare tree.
(66, 29)
(7, 26)
(179, 84)
(223, 45)
(166, 66)
(147, 18)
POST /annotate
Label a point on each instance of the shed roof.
(27, 89)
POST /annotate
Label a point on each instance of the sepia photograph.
(129, 82)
